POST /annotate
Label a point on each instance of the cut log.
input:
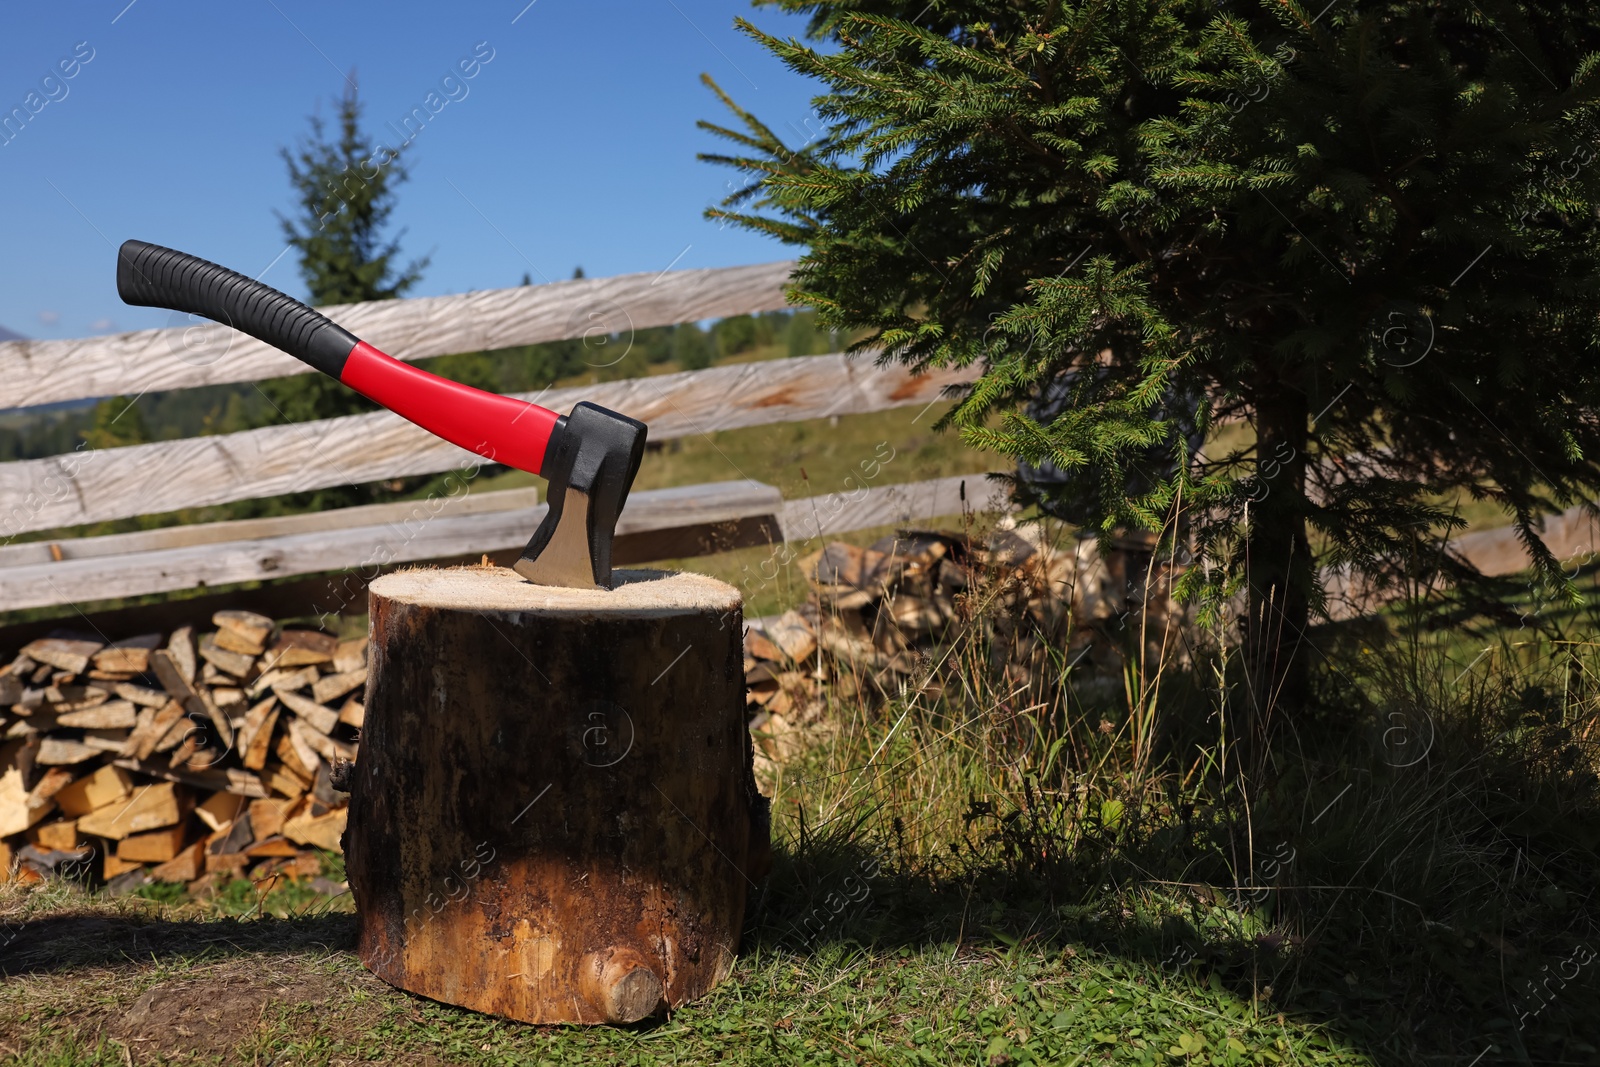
(220, 809)
(321, 831)
(105, 786)
(237, 664)
(350, 656)
(18, 810)
(50, 783)
(112, 715)
(61, 834)
(152, 807)
(180, 649)
(131, 655)
(283, 781)
(186, 748)
(300, 648)
(155, 846)
(281, 678)
(115, 865)
(141, 695)
(554, 817)
(186, 866)
(337, 685)
(299, 757)
(63, 752)
(169, 672)
(267, 816)
(231, 839)
(182, 727)
(106, 740)
(792, 635)
(246, 625)
(255, 735)
(354, 713)
(77, 698)
(201, 706)
(212, 779)
(234, 643)
(277, 846)
(63, 653)
(321, 744)
(311, 712)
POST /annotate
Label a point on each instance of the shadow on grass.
(58, 943)
(1431, 901)
(1358, 961)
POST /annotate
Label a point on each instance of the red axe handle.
(499, 428)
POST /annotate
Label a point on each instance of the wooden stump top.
(636, 593)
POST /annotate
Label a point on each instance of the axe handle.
(499, 428)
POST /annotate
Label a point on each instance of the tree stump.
(554, 816)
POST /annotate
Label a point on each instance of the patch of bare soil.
(211, 1015)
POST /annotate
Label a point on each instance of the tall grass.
(1414, 864)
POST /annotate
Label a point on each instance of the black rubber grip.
(152, 276)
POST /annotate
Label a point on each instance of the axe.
(589, 457)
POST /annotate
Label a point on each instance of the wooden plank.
(332, 594)
(1572, 537)
(188, 355)
(449, 535)
(400, 513)
(888, 505)
(91, 486)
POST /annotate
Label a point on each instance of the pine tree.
(345, 191)
(344, 188)
(1364, 230)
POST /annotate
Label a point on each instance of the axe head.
(590, 463)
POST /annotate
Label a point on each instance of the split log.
(554, 817)
(152, 807)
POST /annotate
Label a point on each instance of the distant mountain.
(8, 335)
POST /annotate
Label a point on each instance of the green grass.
(868, 991)
(976, 874)
(1074, 868)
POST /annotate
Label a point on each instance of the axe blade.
(590, 463)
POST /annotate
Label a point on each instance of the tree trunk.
(1279, 566)
(554, 816)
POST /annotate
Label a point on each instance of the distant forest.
(34, 434)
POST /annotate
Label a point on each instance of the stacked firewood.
(180, 757)
(876, 620)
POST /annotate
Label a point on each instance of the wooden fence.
(88, 486)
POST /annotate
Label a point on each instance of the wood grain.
(198, 353)
(402, 533)
(889, 505)
(677, 521)
(92, 486)
(554, 816)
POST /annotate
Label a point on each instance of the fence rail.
(189, 355)
(89, 486)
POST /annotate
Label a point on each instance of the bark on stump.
(554, 816)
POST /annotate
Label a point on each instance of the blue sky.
(574, 144)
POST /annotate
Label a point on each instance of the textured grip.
(152, 276)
